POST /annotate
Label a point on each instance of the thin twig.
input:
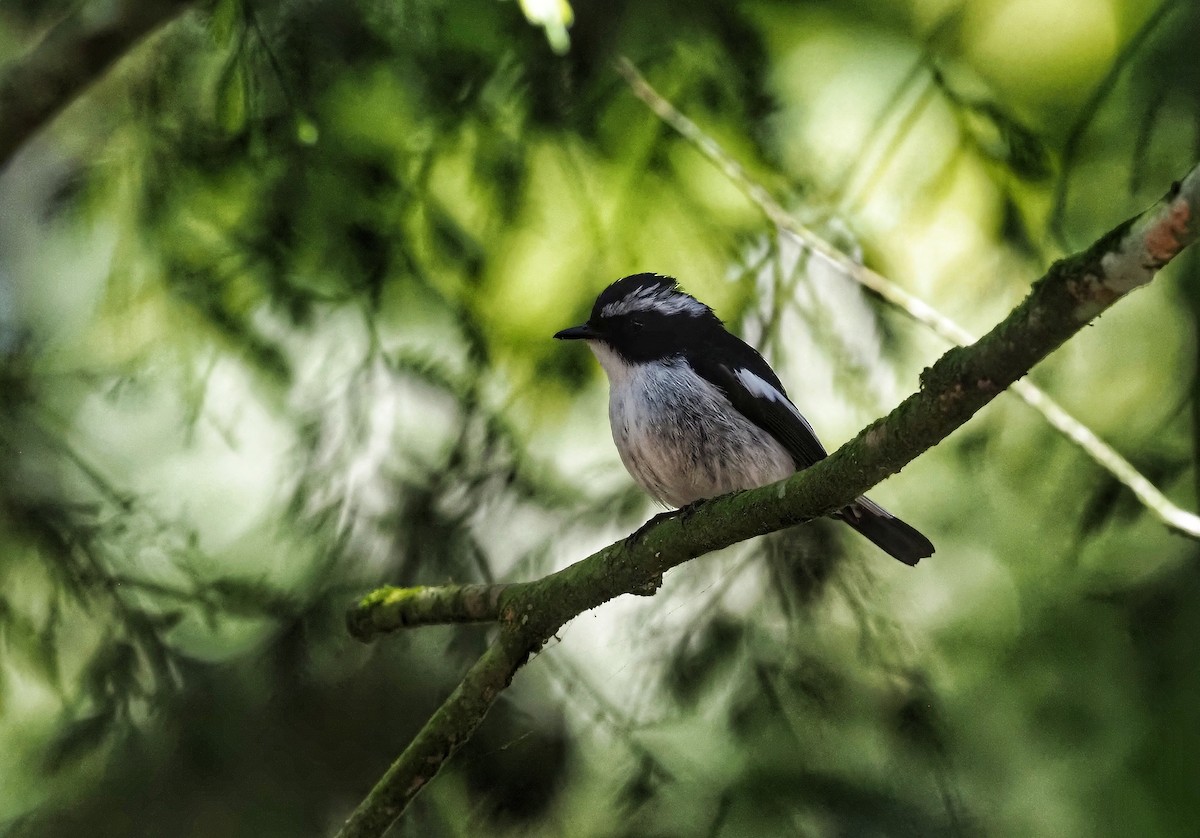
(1177, 519)
(886, 144)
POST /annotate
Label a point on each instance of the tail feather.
(889, 533)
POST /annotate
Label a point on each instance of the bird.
(696, 412)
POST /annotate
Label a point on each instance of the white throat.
(615, 367)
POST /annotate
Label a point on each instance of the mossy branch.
(72, 55)
(1073, 293)
(388, 608)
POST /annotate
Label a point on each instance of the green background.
(276, 298)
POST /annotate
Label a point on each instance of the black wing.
(738, 371)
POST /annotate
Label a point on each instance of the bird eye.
(636, 324)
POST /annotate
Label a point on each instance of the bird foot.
(682, 513)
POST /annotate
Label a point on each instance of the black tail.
(890, 534)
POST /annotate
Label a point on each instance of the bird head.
(644, 317)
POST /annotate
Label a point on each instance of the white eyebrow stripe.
(761, 388)
(660, 298)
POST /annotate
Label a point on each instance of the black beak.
(584, 332)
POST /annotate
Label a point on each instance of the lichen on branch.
(388, 608)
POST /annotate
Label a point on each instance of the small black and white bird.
(696, 412)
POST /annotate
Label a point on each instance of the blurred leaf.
(1015, 145)
(372, 253)
(919, 718)
(996, 133)
(1110, 499)
(224, 21)
(818, 681)
(852, 806)
(232, 96)
(78, 739)
(165, 621)
(307, 131)
(249, 598)
(111, 674)
(49, 640)
(702, 657)
(1014, 230)
(642, 785)
(71, 193)
(453, 243)
(554, 16)
(37, 647)
(517, 764)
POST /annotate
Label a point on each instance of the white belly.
(681, 439)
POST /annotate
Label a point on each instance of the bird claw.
(683, 513)
(636, 536)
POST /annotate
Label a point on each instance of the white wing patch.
(763, 389)
(871, 505)
(662, 299)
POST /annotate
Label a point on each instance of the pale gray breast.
(681, 439)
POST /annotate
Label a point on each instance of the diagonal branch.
(1175, 518)
(74, 53)
(1074, 292)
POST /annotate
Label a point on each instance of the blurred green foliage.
(275, 306)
